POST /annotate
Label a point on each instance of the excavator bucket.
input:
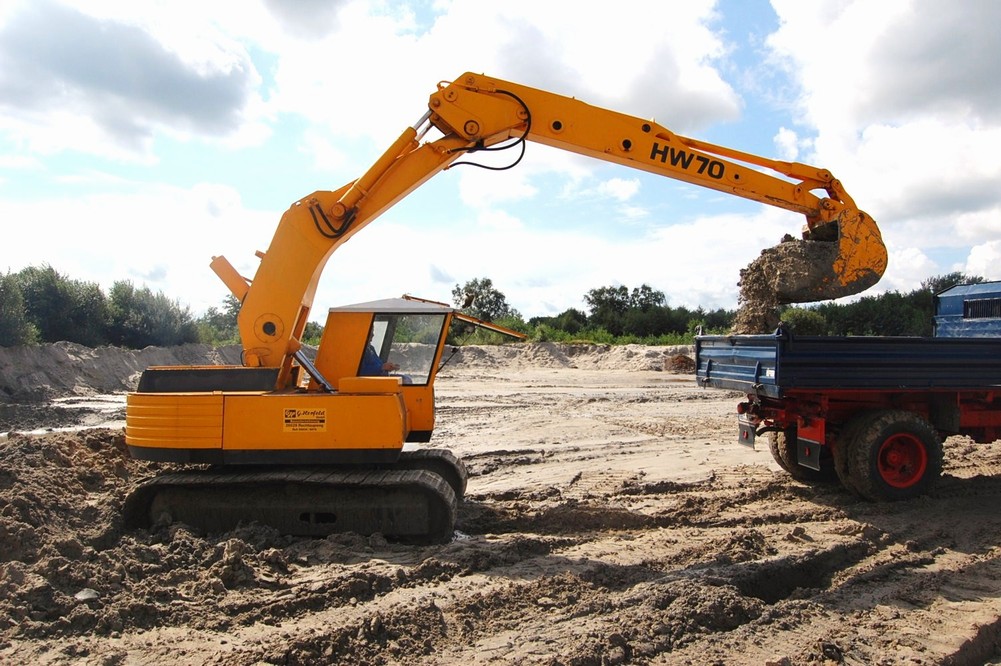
(840, 258)
(817, 268)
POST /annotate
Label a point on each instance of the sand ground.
(610, 518)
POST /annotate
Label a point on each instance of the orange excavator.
(316, 445)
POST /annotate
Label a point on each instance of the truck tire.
(891, 455)
(783, 448)
(842, 443)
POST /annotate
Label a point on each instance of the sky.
(140, 138)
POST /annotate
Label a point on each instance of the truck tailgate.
(770, 365)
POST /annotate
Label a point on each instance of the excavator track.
(414, 501)
(442, 462)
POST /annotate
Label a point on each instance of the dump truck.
(868, 411)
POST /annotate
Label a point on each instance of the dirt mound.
(569, 552)
(67, 568)
(681, 363)
(44, 372)
(786, 273)
(794, 271)
(570, 356)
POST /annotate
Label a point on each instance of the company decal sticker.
(304, 420)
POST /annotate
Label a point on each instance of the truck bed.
(772, 365)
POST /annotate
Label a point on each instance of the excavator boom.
(476, 113)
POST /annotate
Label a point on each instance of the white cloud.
(544, 271)
(787, 143)
(485, 187)
(903, 102)
(660, 66)
(158, 236)
(352, 75)
(23, 162)
(498, 221)
(105, 83)
(985, 260)
(337, 81)
(906, 268)
(621, 189)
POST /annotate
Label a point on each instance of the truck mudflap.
(807, 450)
(810, 436)
(808, 453)
(747, 430)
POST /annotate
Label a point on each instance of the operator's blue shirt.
(371, 364)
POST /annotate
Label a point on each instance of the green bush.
(804, 322)
(15, 328)
(140, 318)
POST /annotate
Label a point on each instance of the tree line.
(615, 315)
(890, 313)
(40, 305)
(618, 315)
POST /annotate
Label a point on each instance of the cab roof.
(397, 306)
(414, 305)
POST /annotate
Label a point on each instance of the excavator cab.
(403, 339)
(343, 427)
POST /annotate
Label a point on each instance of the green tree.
(651, 322)
(63, 309)
(608, 306)
(46, 300)
(571, 321)
(218, 325)
(939, 283)
(645, 297)
(89, 313)
(886, 314)
(804, 321)
(140, 318)
(615, 299)
(891, 313)
(712, 321)
(312, 333)
(15, 328)
(640, 313)
(479, 298)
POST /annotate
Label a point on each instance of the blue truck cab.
(969, 311)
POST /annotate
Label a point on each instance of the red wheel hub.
(902, 460)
